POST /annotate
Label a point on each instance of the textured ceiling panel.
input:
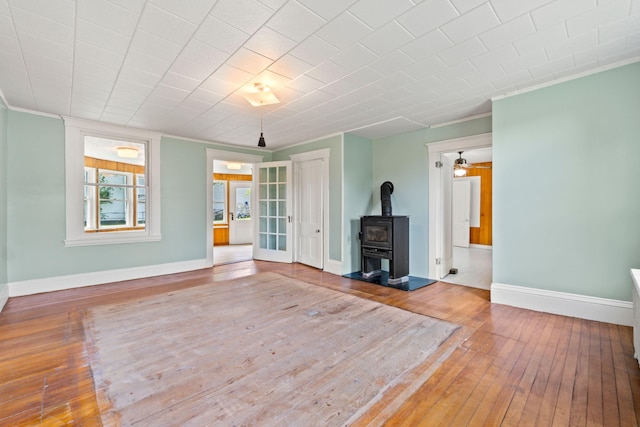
(379, 66)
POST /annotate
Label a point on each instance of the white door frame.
(436, 150)
(229, 156)
(324, 155)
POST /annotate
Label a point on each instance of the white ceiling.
(379, 66)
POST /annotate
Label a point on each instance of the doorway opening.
(232, 209)
(460, 215)
(219, 249)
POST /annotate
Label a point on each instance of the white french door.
(273, 205)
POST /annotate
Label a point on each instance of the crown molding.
(567, 79)
(462, 120)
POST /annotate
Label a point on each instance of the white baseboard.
(333, 267)
(573, 305)
(49, 284)
(4, 296)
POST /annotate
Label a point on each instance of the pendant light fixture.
(261, 142)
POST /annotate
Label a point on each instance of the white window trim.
(75, 130)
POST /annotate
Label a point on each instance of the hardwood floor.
(507, 366)
(227, 254)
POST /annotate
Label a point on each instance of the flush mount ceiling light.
(259, 94)
(127, 152)
(234, 165)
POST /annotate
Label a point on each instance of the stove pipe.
(386, 189)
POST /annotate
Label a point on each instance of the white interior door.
(446, 248)
(309, 212)
(273, 202)
(240, 223)
(461, 212)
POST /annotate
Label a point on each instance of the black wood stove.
(385, 237)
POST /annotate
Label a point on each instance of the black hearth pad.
(383, 279)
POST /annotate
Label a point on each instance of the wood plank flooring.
(505, 366)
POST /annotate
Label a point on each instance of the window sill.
(95, 239)
(114, 230)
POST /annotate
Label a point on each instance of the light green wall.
(404, 160)
(476, 126)
(36, 206)
(566, 190)
(358, 195)
(334, 143)
(3, 194)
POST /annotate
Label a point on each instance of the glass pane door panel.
(274, 217)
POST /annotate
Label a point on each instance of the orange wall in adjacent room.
(482, 235)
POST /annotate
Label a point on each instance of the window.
(219, 201)
(112, 184)
(114, 189)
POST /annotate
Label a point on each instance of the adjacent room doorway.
(221, 208)
(473, 262)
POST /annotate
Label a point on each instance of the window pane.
(112, 210)
(86, 211)
(141, 213)
(218, 191)
(107, 177)
(219, 201)
(243, 203)
(218, 211)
